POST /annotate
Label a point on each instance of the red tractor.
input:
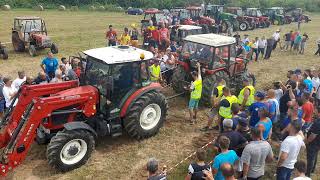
(31, 32)
(217, 56)
(261, 21)
(245, 22)
(197, 18)
(114, 95)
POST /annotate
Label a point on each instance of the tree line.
(309, 5)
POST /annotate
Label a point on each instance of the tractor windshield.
(197, 52)
(31, 25)
(280, 11)
(239, 12)
(258, 13)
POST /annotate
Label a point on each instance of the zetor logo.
(72, 97)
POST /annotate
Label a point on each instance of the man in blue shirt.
(49, 65)
(253, 109)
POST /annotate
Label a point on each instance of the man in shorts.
(196, 90)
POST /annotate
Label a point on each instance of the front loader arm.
(24, 97)
(24, 134)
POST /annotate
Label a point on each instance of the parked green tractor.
(277, 16)
(227, 20)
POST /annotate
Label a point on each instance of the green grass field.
(125, 158)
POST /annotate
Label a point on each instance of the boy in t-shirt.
(195, 95)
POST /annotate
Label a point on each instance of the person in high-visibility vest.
(155, 71)
(195, 95)
(246, 95)
(225, 106)
(216, 97)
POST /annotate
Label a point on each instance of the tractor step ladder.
(116, 130)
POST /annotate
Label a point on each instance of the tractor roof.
(253, 8)
(234, 8)
(118, 54)
(189, 27)
(193, 8)
(27, 18)
(214, 40)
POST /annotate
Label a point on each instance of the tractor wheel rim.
(242, 26)
(150, 116)
(73, 151)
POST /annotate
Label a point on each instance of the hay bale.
(62, 8)
(74, 8)
(6, 7)
(92, 8)
(101, 8)
(38, 8)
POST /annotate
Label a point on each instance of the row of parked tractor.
(210, 17)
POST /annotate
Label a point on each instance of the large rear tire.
(209, 83)
(178, 79)
(146, 115)
(17, 43)
(4, 53)
(243, 26)
(70, 149)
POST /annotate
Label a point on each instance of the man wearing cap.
(225, 105)
(254, 108)
(195, 95)
(217, 95)
(276, 37)
(246, 95)
(111, 36)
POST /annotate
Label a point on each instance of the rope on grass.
(190, 155)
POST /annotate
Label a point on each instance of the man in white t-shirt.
(276, 37)
(21, 79)
(8, 91)
(289, 151)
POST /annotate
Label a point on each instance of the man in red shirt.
(292, 38)
(155, 38)
(307, 109)
(164, 37)
(111, 35)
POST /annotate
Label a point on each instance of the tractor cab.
(276, 15)
(182, 31)
(115, 71)
(197, 15)
(29, 25)
(260, 19)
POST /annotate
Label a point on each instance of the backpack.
(197, 173)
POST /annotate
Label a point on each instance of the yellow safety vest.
(250, 98)
(226, 111)
(155, 71)
(196, 93)
(220, 90)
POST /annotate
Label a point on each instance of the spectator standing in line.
(226, 156)
(111, 36)
(49, 65)
(307, 109)
(228, 171)
(292, 38)
(287, 38)
(195, 170)
(19, 80)
(303, 44)
(289, 151)
(313, 145)
(262, 43)
(300, 167)
(255, 48)
(254, 108)
(289, 95)
(196, 91)
(125, 38)
(270, 45)
(255, 155)
(134, 34)
(276, 38)
(2, 100)
(318, 51)
(9, 92)
(153, 169)
(278, 91)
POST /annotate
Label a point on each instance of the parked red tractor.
(3, 51)
(261, 21)
(217, 56)
(114, 94)
(31, 32)
(245, 22)
(196, 15)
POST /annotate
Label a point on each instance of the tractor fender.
(80, 125)
(126, 105)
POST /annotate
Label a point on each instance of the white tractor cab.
(217, 56)
(179, 32)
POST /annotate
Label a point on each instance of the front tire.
(70, 149)
(243, 26)
(54, 48)
(146, 115)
